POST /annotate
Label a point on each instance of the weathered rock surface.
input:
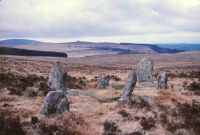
(129, 86)
(55, 102)
(57, 77)
(63, 105)
(162, 80)
(145, 70)
(103, 81)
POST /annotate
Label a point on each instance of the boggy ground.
(97, 111)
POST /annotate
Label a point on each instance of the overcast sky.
(144, 21)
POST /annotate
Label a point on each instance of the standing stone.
(63, 105)
(129, 86)
(103, 81)
(55, 102)
(56, 77)
(162, 80)
(145, 70)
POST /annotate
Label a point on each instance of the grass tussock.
(110, 128)
(147, 123)
(163, 96)
(75, 83)
(105, 99)
(117, 86)
(68, 124)
(19, 84)
(10, 125)
(185, 74)
(191, 115)
(7, 98)
(195, 87)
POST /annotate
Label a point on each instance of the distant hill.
(156, 48)
(124, 48)
(23, 52)
(82, 48)
(20, 41)
(185, 47)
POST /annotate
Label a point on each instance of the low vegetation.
(147, 123)
(96, 111)
(10, 125)
(195, 87)
(185, 74)
(110, 128)
(20, 84)
(117, 86)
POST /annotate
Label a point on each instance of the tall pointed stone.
(56, 100)
(162, 80)
(129, 86)
(56, 77)
(145, 70)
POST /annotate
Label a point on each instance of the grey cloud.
(87, 18)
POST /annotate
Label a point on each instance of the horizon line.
(62, 42)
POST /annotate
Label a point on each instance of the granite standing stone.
(57, 77)
(55, 102)
(129, 86)
(145, 70)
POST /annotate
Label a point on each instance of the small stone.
(162, 80)
(103, 81)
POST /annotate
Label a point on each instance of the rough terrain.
(23, 86)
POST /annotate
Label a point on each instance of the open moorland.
(95, 111)
(82, 48)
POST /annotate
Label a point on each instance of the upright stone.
(55, 102)
(129, 86)
(103, 81)
(56, 77)
(162, 80)
(145, 70)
